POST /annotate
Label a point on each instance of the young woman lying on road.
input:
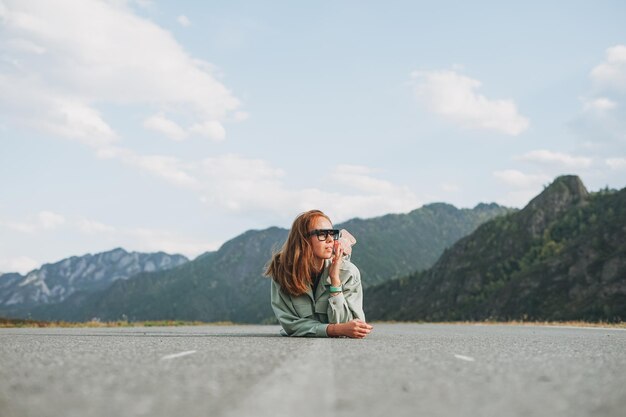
(316, 290)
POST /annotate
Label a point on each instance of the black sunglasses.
(322, 234)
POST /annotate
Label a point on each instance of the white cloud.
(238, 184)
(163, 125)
(115, 152)
(20, 264)
(56, 76)
(94, 227)
(143, 3)
(359, 178)
(603, 118)
(616, 163)
(169, 168)
(183, 20)
(547, 157)
(45, 220)
(75, 120)
(63, 82)
(240, 116)
(146, 239)
(600, 104)
(20, 226)
(612, 72)
(518, 179)
(152, 240)
(522, 187)
(450, 188)
(27, 101)
(454, 97)
(211, 129)
(100, 234)
(49, 220)
(24, 45)
(518, 198)
(370, 196)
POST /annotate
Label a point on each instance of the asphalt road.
(399, 370)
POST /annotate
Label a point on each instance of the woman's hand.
(333, 272)
(356, 329)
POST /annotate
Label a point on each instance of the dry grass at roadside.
(618, 325)
(10, 323)
(7, 322)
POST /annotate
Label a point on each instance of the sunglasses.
(322, 234)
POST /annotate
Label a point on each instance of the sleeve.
(292, 323)
(349, 304)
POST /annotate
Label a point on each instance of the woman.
(316, 291)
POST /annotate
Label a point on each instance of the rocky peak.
(565, 192)
(53, 283)
(487, 206)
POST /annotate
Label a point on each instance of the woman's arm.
(290, 320)
(345, 310)
(347, 305)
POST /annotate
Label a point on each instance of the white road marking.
(465, 358)
(178, 355)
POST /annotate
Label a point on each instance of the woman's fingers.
(338, 251)
(362, 330)
(361, 323)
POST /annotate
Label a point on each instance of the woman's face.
(322, 249)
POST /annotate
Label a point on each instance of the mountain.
(228, 284)
(54, 283)
(395, 245)
(562, 257)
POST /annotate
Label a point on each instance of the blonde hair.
(293, 266)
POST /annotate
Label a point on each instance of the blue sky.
(176, 126)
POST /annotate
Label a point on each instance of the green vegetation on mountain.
(563, 257)
(395, 245)
(228, 284)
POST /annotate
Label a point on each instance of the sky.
(177, 125)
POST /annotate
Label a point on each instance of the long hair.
(293, 266)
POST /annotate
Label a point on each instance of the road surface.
(399, 370)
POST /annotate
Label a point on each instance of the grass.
(12, 323)
(570, 323)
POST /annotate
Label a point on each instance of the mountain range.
(228, 284)
(562, 257)
(54, 283)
